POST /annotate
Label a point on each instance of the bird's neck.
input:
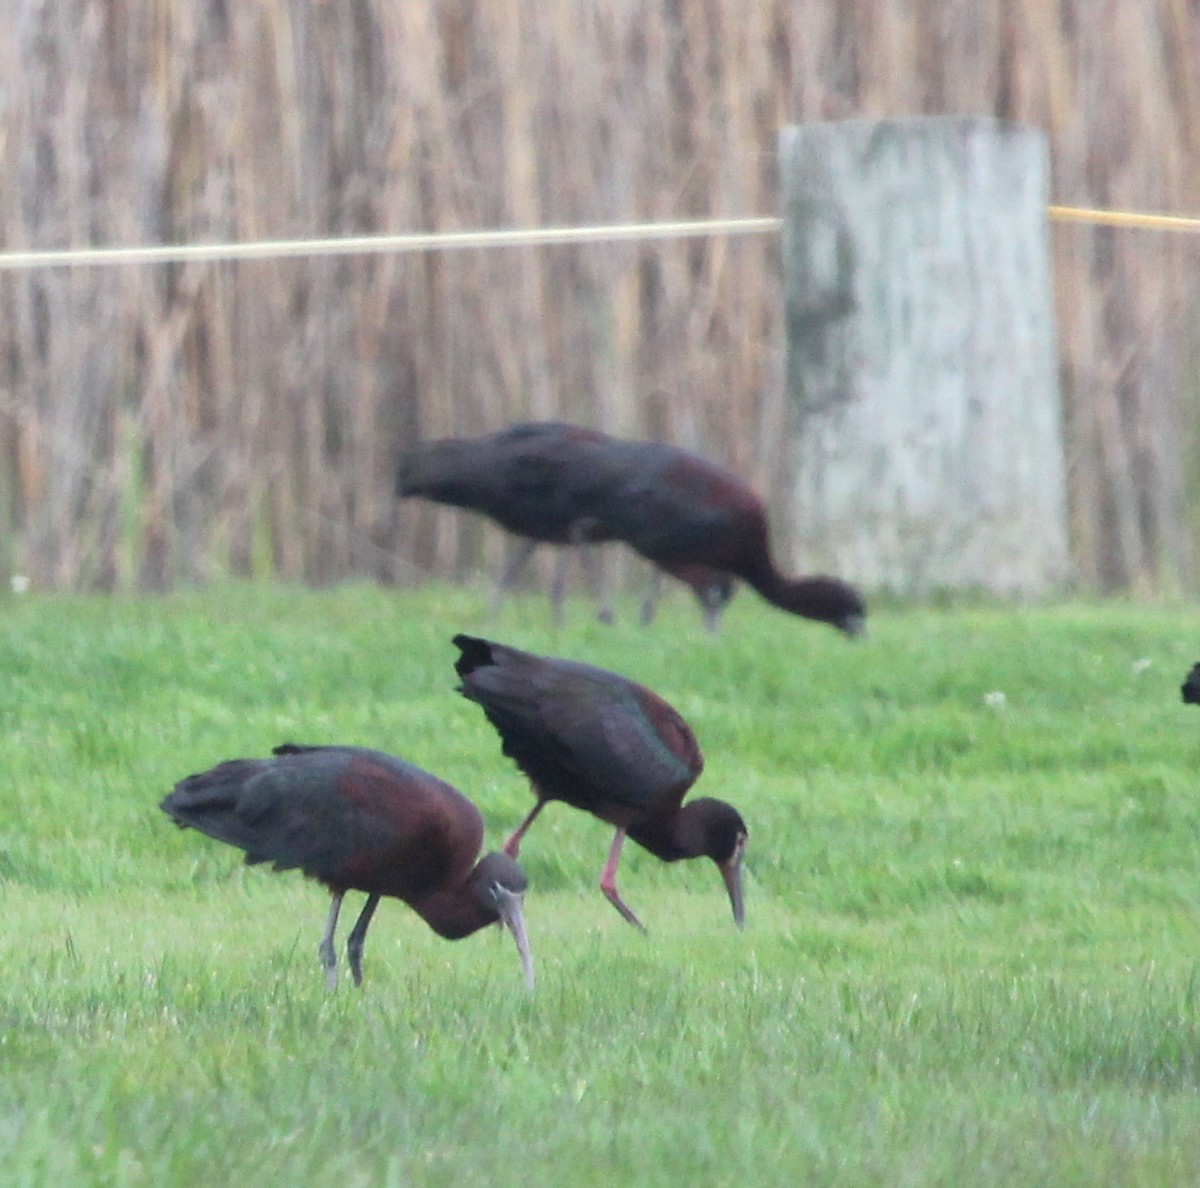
(670, 838)
(454, 913)
(798, 596)
(755, 565)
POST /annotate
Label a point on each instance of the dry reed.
(167, 424)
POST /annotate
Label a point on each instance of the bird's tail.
(408, 472)
(436, 469)
(209, 801)
(1191, 687)
(499, 678)
(475, 653)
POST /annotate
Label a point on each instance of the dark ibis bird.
(687, 516)
(606, 745)
(699, 522)
(357, 819)
(538, 481)
(1191, 686)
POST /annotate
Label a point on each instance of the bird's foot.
(329, 963)
(513, 846)
(613, 897)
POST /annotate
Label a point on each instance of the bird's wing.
(614, 736)
(662, 509)
(618, 749)
(324, 810)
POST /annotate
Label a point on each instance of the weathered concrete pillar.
(921, 354)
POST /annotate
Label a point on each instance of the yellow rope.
(277, 249)
(1124, 218)
(444, 241)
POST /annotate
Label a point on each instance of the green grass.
(973, 942)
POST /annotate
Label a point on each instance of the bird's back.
(675, 507)
(348, 816)
(582, 734)
(537, 480)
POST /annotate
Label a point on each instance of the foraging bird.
(606, 745)
(1191, 686)
(689, 517)
(360, 820)
(698, 521)
(537, 481)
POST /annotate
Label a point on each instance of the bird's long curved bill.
(510, 905)
(731, 872)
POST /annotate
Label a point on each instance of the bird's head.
(498, 884)
(731, 871)
(723, 837)
(833, 601)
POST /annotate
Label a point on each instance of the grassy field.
(973, 890)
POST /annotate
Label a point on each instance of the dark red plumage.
(606, 745)
(689, 517)
(693, 519)
(357, 819)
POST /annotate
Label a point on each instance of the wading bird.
(356, 819)
(687, 516)
(608, 746)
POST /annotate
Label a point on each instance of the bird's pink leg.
(608, 881)
(325, 950)
(513, 845)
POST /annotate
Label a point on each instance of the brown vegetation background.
(176, 423)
